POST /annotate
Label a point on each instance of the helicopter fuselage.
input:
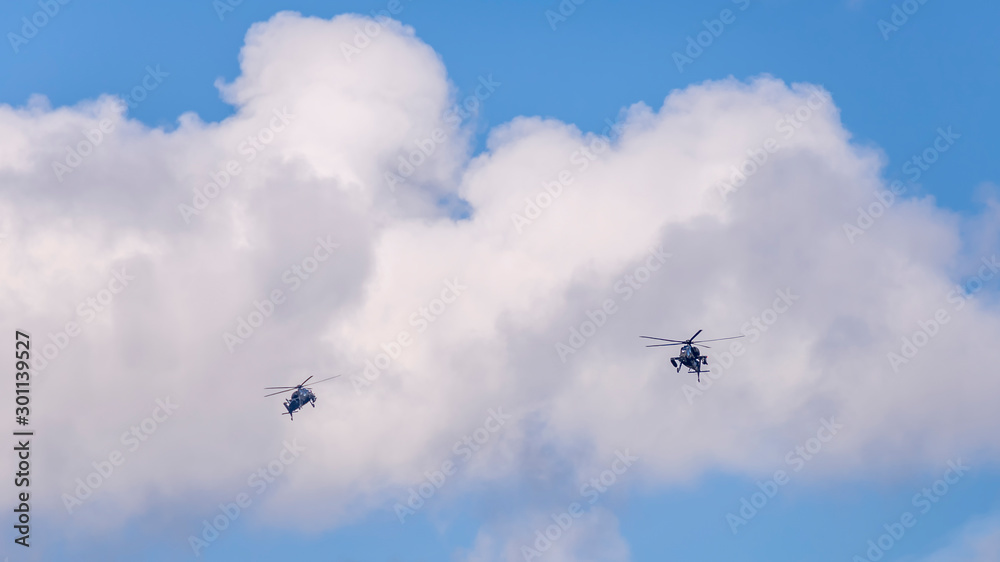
(690, 357)
(299, 398)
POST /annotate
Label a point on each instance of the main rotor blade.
(720, 339)
(324, 380)
(691, 339)
(661, 339)
(662, 344)
(305, 381)
(277, 387)
(280, 392)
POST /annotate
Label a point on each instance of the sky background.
(933, 72)
(939, 70)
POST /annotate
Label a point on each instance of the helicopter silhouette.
(300, 396)
(689, 356)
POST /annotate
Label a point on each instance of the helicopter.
(300, 397)
(690, 356)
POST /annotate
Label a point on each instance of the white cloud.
(593, 536)
(322, 176)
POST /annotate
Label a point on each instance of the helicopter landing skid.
(693, 372)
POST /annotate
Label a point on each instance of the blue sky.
(938, 70)
(933, 72)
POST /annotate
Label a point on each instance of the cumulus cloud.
(585, 536)
(575, 245)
